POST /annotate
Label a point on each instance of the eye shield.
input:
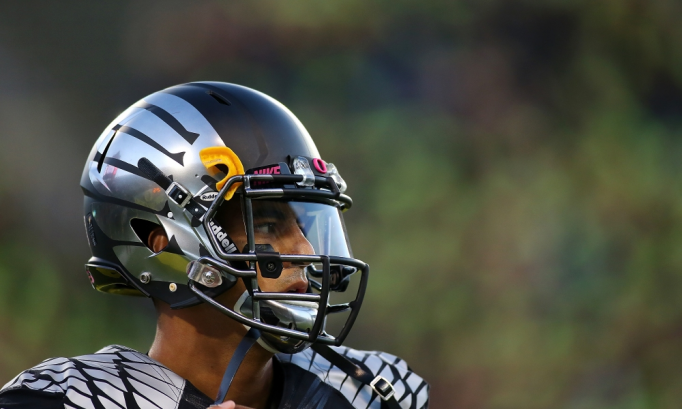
(285, 223)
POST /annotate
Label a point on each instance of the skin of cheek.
(292, 243)
(291, 274)
(229, 298)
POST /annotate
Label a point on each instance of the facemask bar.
(250, 276)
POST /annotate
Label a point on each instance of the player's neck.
(197, 343)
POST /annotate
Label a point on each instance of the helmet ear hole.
(151, 234)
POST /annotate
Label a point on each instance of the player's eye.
(265, 228)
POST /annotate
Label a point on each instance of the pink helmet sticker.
(320, 165)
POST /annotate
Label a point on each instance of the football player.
(212, 199)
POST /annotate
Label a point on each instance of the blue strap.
(244, 346)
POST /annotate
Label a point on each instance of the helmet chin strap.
(244, 346)
(252, 336)
(380, 385)
(238, 307)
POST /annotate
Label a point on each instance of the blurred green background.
(515, 167)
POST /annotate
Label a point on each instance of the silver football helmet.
(230, 175)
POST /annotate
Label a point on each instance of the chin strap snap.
(239, 354)
(175, 191)
(378, 383)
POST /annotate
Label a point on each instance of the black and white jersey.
(118, 377)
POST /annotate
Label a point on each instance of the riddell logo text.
(221, 236)
(209, 196)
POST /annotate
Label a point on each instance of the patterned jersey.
(119, 377)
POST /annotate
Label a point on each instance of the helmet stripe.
(178, 157)
(125, 166)
(169, 119)
(109, 199)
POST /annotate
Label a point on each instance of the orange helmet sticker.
(221, 155)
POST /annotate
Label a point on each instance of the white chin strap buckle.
(382, 387)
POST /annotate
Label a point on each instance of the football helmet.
(229, 174)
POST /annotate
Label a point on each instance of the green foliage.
(47, 314)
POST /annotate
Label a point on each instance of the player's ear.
(157, 239)
(151, 234)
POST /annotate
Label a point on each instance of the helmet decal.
(267, 170)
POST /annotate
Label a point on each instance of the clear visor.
(300, 228)
(291, 227)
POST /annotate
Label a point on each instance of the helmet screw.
(172, 287)
(145, 278)
(270, 266)
(209, 277)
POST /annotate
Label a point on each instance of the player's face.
(274, 223)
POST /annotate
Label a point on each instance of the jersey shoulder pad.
(112, 374)
(411, 391)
